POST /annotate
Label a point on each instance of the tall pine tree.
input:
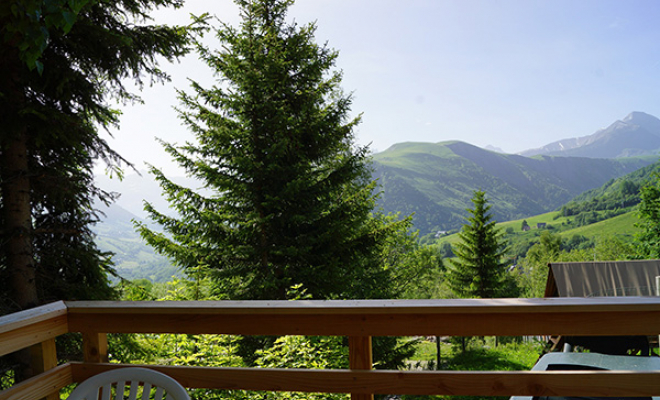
(62, 61)
(289, 196)
(478, 270)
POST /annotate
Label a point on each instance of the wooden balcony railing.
(359, 320)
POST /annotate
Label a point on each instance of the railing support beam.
(360, 357)
(95, 347)
(43, 357)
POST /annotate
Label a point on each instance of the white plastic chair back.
(119, 383)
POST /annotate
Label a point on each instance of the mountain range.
(436, 181)
(637, 134)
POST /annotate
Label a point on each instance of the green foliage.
(416, 270)
(302, 352)
(620, 227)
(293, 352)
(546, 250)
(175, 349)
(315, 352)
(137, 290)
(616, 197)
(478, 270)
(624, 198)
(425, 275)
(29, 23)
(649, 215)
(534, 266)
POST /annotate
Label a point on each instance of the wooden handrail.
(30, 327)
(470, 317)
(358, 320)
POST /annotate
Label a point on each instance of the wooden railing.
(359, 321)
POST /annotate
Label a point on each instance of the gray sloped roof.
(606, 278)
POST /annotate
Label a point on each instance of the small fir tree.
(478, 270)
(524, 226)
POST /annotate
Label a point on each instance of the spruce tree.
(288, 195)
(478, 270)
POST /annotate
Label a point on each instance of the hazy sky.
(515, 74)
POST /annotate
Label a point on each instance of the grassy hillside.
(621, 226)
(436, 181)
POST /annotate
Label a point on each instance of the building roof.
(606, 278)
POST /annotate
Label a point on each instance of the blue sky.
(515, 74)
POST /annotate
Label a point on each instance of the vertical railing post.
(43, 356)
(360, 357)
(95, 347)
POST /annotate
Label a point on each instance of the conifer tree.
(62, 61)
(478, 270)
(524, 226)
(288, 196)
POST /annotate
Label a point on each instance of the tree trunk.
(17, 216)
(17, 235)
(15, 204)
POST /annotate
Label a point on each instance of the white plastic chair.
(154, 386)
